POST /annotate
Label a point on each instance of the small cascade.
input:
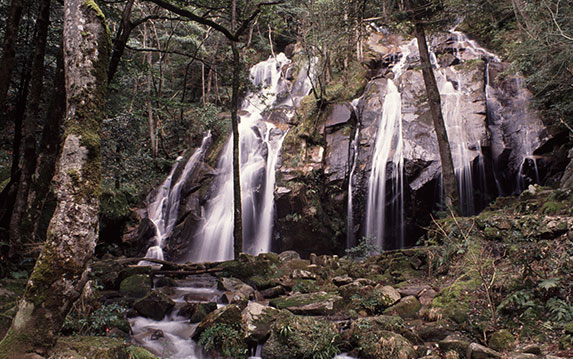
(354, 146)
(260, 144)
(463, 145)
(163, 210)
(171, 336)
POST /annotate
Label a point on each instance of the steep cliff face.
(323, 190)
(492, 131)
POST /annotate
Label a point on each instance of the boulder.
(136, 286)
(455, 343)
(319, 303)
(342, 280)
(257, 320)
(235, 290)
(273, 292)
(196, 312)
(477, 351)
(154, 305)
(288, 256)
(407, 308)
(303, 274)
(294, 337)
(228, 315)
(501, 340)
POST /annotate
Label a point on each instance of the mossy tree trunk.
(60, 272)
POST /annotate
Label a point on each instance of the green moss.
(97, 347)
(294, 337)
(91, 4)
(454, 299)
(501, 340)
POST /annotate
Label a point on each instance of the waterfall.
(260, 144)
(388, 148)
(163, 210)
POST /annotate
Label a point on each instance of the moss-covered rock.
(136, 286)
(196, 312)
(97, 347)
(257, 321)
(320, 303)
(154, 305)
(407, 308)
(383, 344)
(501, 340)
(295, 337)
(453, 300)
(455, 343)
(228, 315)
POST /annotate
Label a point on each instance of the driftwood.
(177, 273)
(172, 269)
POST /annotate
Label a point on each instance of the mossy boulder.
(136, 286)
(257, 320)
(407, 308)
(501, 340)
(373, 300)
(383, 344)
(154, 305)
(453, 300)
(455, 343)
(319, 303)
(228, 315)
(97, 347)
(295, 337)
(235, 291)
(196, 312)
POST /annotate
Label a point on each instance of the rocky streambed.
(497, 285)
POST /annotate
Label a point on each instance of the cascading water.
(388, 149)
(260, 144)
(355, 145)
(163, 210)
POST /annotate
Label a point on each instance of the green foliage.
(224, 338)
(364, 248)
(559, 310)
(96, 322)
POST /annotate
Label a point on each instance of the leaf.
(549, 283)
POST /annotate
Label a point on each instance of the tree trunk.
(60, 272)
(125, 28)
(30, 125)
(9, 50)
(238, 213)
(451, 197)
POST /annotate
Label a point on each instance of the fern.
(559, 310)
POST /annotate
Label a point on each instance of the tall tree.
(9, 49)
(60, 272)
(30, 124)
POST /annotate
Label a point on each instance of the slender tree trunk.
(238, 217)
(48, 151)
(60, 272)
(449, 181)
(9, 50)
(30, 125)
(125, 28)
